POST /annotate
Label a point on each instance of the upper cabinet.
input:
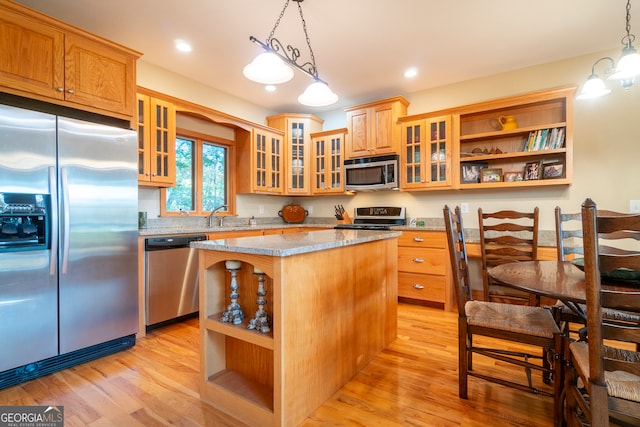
(45, 59)
(372, 128)
(516, 142)
(259, 162)
(297, 130)
(156, 142)
(426, 152)
(328, 157)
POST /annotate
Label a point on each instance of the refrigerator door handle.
(64, 189)
(53, 252)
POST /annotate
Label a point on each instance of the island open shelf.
(332, 300)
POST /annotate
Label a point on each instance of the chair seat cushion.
(523, 319)
(620, 384)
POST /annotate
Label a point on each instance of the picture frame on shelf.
(553, 170)
(491, 175)
(470, 172)
(513, 176)
(533, 170)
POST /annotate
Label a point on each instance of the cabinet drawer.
(422, 260)
(422, 286)
(423, 239)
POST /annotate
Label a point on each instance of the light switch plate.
(464, 208)
(634, 206)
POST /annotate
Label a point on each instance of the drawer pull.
(418, 286)
(418, 260)
(418, 239)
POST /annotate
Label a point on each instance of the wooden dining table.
(560, 280)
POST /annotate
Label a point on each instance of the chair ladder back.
(458, 255)
(568, 241)
(507, 236)
(595, 263)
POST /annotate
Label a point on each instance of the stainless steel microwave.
(371, 173)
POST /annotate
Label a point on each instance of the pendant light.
(627, 69)
(273, 66)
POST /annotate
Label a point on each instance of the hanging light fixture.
(627, 69)
(273, 66)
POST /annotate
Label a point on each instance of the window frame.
(199, 139)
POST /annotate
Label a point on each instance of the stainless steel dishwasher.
(171, 277)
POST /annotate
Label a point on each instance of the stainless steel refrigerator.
(75, 288)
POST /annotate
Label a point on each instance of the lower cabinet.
(424, 274)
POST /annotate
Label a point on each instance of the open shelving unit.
(482, 144)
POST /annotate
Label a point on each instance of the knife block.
(346, 219)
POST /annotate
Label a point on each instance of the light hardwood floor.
(414, 382)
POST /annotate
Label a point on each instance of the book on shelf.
(552, 139)
(545, 139)
(560, 140)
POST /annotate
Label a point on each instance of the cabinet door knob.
(418, 239)
(418, 286)
(71, 91)
(418, 260)
(60, 89)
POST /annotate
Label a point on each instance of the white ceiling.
(361, 47)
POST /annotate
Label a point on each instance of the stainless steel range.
(376, 218)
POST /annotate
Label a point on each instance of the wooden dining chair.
(603, 374)
(507, 236)
(570, 246)
(507, 323)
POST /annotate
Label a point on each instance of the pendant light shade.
(628, 65)
(267, 68)
(593, 88)
(317, 94)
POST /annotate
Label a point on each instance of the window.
(202, 175)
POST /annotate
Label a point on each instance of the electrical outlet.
(261, 209)
(310, 209)
(464, 207)
(634, 206)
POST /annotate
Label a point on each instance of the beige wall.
(606, 144)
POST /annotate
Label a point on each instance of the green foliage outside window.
(182, 197)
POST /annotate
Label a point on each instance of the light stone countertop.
(282, 245)
(194, 225)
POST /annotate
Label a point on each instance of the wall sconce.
(627, 69)
(270, 67)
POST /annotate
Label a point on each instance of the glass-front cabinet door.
(156, 142)
(426, 153)
(296, 164)
(328, 156)
(268, 162)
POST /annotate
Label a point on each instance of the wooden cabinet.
(423, 268)
(372, 128)
(156, 142)
(535, 149)
(426, 152)
(45, 59)
(260, 162)
(297, 130)
(328, 157)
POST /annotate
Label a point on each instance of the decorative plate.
(293, 214)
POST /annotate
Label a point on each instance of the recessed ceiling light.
(411, 72)
(270, 88)
(183, 46)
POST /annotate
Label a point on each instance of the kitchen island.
(331, 300)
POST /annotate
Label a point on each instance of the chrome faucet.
(210, 218)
